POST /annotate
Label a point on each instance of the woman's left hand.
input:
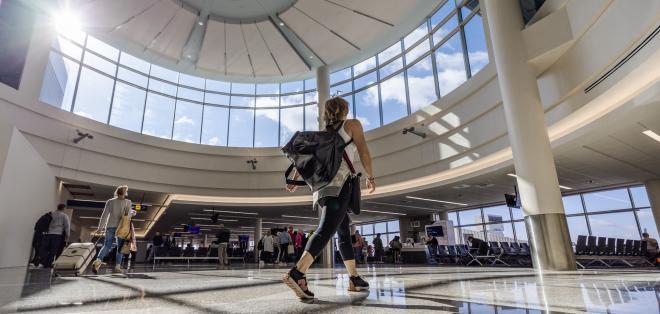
(371, 185)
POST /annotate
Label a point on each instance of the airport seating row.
(489, 253)
(593, 251)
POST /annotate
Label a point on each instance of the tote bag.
(124, 228)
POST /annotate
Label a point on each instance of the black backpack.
(43, 223)
(316, 155)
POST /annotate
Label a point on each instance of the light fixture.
(228, 211)
(84, 217)
(200, 218)
(200, 23)
(652, 135)
(379, 212)
(560, 186)
(304, 217)
(311, 57)
(246, 227)
(281, 24)
(437, 201)
(139, 220)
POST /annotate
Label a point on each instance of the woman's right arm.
(357, 133)
(104, 215)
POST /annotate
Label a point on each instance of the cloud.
(185, 120)
(364, 66)
(214, 141)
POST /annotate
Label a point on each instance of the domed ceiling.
(252, 40)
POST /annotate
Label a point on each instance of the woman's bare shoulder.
(353, 123)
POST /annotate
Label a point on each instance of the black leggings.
(335, 218)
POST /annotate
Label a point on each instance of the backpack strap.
(291, 181)
(348, 161)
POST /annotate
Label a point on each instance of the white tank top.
(351, 148)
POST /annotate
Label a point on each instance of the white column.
(532, 154)
(323, 89)
(257, 236)
(653, 192)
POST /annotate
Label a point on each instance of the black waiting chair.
(636, 247)
(629, 248)
(620, 248)
(601, 246)
(581, 245)
(611, 246)
(525, 250)
(591, 245)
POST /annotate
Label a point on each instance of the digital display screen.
(435, 231)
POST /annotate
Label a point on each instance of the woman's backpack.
(316, 155)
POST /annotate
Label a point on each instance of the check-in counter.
(414, 254)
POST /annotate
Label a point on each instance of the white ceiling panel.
(343, 21)
(262, 61)
(174, 36)
(104, 16)
(288, 60)
(212, 54)
(324, 43)
(145, 27)
(238, 62)
(390, 11)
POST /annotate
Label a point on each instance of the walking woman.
(333, 199)
(115, 209)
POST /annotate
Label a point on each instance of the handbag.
(290, 249)
(124, 227)
(355, 193)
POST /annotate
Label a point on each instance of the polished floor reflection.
(393, 289)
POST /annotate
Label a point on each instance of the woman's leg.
(107, 243)
(345, 246)
(331, 217)
(118, 255)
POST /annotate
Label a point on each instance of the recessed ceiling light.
(188, 56)
(200, 23)
(228, 211)
(281, 24)
(200, 218)
(379, 212)
(511, 175)
(652, 135)
(437, 201)
(299, 217)
(311, 57)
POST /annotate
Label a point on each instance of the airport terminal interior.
(507, 154)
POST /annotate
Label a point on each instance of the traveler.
(651, 247)
(298, 241)
(396, 246)
(333, 199)
(115, 208)
(358, 245)
(223, 241)
(283, 239)
(478, 245)
(156, 242)
(40, 229)
(378, 248)
(268, 248)
(432, 244)
(58, 232)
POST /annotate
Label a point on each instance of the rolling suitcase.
(75, 259)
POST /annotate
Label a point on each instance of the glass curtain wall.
(623, 213)
(447, 49)
(97, 81)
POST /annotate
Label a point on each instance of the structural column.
(257, 236)
(532, 155)
(323, 90)
(653, 191)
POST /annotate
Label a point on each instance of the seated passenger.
(476, 244)
(651, 247)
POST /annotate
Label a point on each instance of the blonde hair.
(121, 190)
(336, 108)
